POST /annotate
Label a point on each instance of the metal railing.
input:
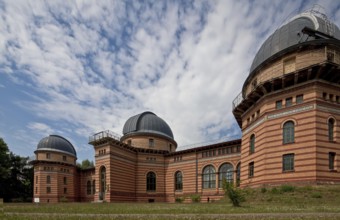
(237, 100)
(104, 134)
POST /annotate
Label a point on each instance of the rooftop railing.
(237, 100)
(104, 134)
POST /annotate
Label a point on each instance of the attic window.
(330, 56)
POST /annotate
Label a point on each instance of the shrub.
(234, 194)
(275, 191)
(195, 198)
(63, 199)
(316, 195)
(179, 199)
(263, 190)
(287, 188)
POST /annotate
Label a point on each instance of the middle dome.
(147, 122)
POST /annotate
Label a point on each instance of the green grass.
(284, 199)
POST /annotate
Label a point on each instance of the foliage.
(287, 188)
(16, 176)
(263, 190)
(179, 199)
(85, 164)
(195, 198)
(234, 194)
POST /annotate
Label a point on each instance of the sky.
(75, 68)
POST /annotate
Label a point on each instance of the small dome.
(294, 33)
(147, 122)
(56, 143)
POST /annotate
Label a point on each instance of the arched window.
(252, 144)
(331, 129)
(288, 132)
(209, 177)
(178, 180)
(88, 187)
(238, 174)
(226, 172)
(151, 181)
(102, 183)
(93, 187)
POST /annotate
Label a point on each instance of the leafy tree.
(86, 164)
(234, 194)
(16, 176)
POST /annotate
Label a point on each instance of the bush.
(195, 198)
(63, 199)
(179, 199)
(275, 191)
(234, 194)
(287, 188)
(316, 195)
(263, 190)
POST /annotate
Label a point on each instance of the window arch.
(238, 174)
(288, 132)
(331, 123)
(151, 181)
(226, 172)
(209, 177)
(178, 180)
(252, 144)
(88, 187)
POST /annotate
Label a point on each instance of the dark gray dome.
(58, 144)
(147, 122)
(292, 34)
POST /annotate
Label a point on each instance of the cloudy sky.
(74, 68)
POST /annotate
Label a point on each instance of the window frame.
(278, 104)
(331, 125)
(331, 160)
(151, 181)
(288, 132)
(209, 177)
(252, 140)
(288, 162)
(251, 169)
(178, 181)
(299, 99)
(289, 102)
(151, 142)
(227, 173)
(88, 187)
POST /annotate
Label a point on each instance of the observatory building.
(288, 111)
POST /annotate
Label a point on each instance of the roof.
(149, 123)
(56, 143)
(292, 34)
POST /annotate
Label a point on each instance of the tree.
(85, 164)
(234, 194)
(16, 176)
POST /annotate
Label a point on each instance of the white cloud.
(95, 64)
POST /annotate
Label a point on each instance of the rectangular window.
(337, 99)
(64, 158)
(36, 190)
(289, 101)
(331, 97)
(288, 162)
(65, 190)
(48, 189)
(48, 179)
(251, 169)
(129, 142)
(299, 99)
(36, 180)
(331, 158)
(48, 156)
(65, 180)
(278, 104)
(151, 142)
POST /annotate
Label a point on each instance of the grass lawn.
(277, 203)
